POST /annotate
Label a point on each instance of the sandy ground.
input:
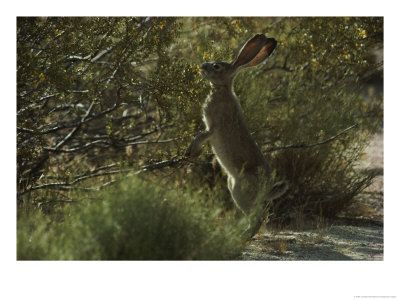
(351, 237)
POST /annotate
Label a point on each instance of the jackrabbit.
(235, 149)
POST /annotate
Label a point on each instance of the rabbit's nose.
(205, 66)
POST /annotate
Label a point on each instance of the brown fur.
(226, 129)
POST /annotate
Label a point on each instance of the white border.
(198, 280)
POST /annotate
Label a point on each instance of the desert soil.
(356, 235)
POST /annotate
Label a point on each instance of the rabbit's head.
(255, 51)
(218, 72)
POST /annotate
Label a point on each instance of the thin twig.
(70, 185)
(302, 145)
(158, 165)
(105, 143)
(59, 126)
(73, 131)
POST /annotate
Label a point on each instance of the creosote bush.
(134, 220)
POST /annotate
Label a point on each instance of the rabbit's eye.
(216, 67)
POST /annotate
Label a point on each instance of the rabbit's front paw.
(192, 151)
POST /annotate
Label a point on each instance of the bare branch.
(105, 143)
(74, 58)
(73, 131)
(35, 105)
(101, 54)
(156, 141)
(72, 184)
(161, 164)
(84, 147)
(25, 130)
(302, 145)
(80, 122)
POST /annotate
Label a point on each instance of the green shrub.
(135, 220)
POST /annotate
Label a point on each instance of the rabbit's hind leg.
(244, 191)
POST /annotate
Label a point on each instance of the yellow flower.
(347, 57)
(347, 20)
(314, 62)
(312, 47)
(233, 42)
(41, 77)
(236, 23)
(363, 34)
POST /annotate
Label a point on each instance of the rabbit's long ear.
(256, 50)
